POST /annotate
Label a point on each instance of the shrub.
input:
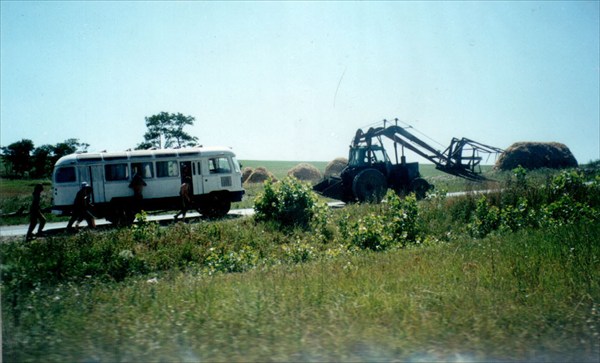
(567, 210)
(396, 224)
(231, 261)
(565, 199)
(289, 203)
(404, 217)
(570, 183)
(486, 218)
(370, 232)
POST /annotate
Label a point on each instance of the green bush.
(289, 203)
(404, 218)
(564, 199)
(571, 183)
(370, 232)
(567, 210)
(396, 224)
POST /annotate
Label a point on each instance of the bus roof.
(141, 155)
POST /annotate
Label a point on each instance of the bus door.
(94, 176)
(191, 169)
(97, 183)
(197, 177)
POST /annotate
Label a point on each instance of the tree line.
(22, 159)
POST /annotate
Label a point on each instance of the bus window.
(145, 170)
(166, 169)
(219, 166)
(116, 172)
(65, 175)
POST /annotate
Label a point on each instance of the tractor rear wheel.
(369, 186)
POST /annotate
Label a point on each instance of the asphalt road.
(59, 227)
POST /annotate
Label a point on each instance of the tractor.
(370, 171)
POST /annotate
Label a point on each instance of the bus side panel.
(225, 176)
(157, 188)
(63, 193)
(117, 189)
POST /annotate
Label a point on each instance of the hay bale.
(259, 175)
(305, 172)
(246, 173)
(534, 155)
(335, 167)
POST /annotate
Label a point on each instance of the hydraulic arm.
(462, 158)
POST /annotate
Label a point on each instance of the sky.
(295, 80)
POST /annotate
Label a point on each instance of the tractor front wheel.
(420, 187)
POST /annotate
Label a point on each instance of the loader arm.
(462, 158)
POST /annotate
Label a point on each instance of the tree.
(166, 130)
(21, 157)
(69, 146)
(41, 161)
(18, 156)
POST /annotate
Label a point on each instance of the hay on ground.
(534, 155)
(335, 167)
(259, 175)
(246, 173)
(305, 172)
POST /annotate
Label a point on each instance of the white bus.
(215, 173)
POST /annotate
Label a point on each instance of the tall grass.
(528, 296)
(242, 290)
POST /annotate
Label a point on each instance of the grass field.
(479, 282)
(466, 301)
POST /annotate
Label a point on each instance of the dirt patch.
(335, 167)
(246, 173)
(534, 155)
(305, 172)
(259, 175)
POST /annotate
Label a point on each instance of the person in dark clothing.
(186, 199)
(35, 213)
(81, 208)
(137, 184)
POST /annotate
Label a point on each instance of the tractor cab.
(367, 156)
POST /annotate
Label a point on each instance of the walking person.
(137, 184)
(35, 213)
(186, 200)
(81, 208)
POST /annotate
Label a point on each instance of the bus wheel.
(121, 214)
(216, 205)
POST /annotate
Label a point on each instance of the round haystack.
(305, 172)
(335, 167)
(259, 175)
(533, 155)
(246, 173)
